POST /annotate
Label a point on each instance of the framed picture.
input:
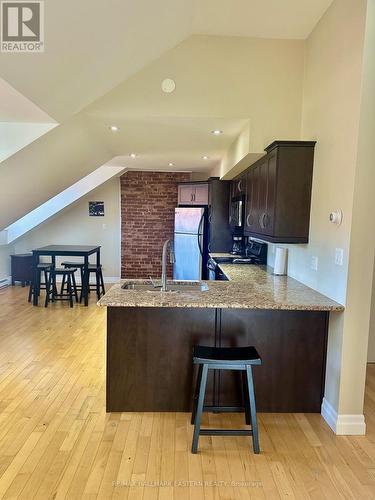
(96, 208)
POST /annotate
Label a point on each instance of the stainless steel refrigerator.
(189, 243)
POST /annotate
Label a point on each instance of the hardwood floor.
(56, 441)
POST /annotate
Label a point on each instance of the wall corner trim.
(343, 425)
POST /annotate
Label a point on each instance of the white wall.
(5, 252)
(371, 340)
(73, 226)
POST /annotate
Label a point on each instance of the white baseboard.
(5, 282)
(343, 425)
(110, 279)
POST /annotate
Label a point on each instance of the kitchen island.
(151, 334)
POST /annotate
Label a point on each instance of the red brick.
(148, 200)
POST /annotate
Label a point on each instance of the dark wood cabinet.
(278, 194)
(220, 233)
(149, 357)
(21, 268)
(238, 186)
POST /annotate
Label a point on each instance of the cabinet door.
(268, 221)
(238, 186)
(220, 235)
(185, 194)
(262, 195)
(241, 186)
(201, 194)
(252, 200)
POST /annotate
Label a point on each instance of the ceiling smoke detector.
(168, 85)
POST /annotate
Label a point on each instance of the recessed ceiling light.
(170, 164)
(114, 128)
(216, 132)
(133, 155)
(205, 157)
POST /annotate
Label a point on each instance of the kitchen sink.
(171, 287)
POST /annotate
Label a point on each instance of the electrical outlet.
(314, 263)
(339, 256)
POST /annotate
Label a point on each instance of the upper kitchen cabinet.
(278, 193)
(193, 193)
(238, 186)
(220, 233)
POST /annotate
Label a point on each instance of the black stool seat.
(92, 267)
(44, 265)
(58, 270)
(225, 358)
(240, 355)
(73, 264)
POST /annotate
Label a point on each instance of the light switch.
(339, 256)
(104, 226)
(314, 263)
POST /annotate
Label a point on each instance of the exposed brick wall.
(148, 200)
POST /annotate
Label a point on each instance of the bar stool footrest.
(224, 409)
(225, 432)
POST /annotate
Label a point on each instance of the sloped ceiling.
(258, 18)
(92, 46)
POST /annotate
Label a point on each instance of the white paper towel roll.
(281, 259)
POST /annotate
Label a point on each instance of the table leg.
(36, 283)
(53, 262)
(86, 277)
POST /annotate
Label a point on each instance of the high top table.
(54, 251)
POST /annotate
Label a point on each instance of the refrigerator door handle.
(199, 235)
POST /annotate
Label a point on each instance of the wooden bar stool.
(45, 269)
(225, 358)
(68, 277)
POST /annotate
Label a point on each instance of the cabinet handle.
(209, 247)
(250, 220)
(230, 219)
(239, 185)
(210, 218)
(263, 220)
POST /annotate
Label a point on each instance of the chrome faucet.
(168, 245)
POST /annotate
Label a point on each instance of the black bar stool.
(43, 268)
(68, 278)
(74, 265)
(98, 286)
(225, 358)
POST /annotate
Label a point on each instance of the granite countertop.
(250, 287)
